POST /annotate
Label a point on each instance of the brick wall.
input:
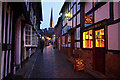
(87, 56)
(112, 66)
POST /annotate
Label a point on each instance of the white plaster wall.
(116, 6)
(88, 6)
(102, 13)
(4, 22)
(0, 20)
(9, 62)
(8, 28)
(119, 35)
(0, 40)
(11, 27)
(113, 37)
(6, 63)
(2, 64)
(18, 41)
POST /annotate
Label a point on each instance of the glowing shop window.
(88, 39)
(99, 38)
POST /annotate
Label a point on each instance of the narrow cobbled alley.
(51, 64)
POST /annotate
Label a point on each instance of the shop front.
(94, 41)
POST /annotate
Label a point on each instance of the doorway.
(99, 51)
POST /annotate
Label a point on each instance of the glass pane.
(78, 18)
(88, 39)
(99, 36)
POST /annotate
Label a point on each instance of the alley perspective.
(67, 39)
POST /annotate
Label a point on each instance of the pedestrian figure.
(41, 45)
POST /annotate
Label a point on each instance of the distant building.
(58, 33)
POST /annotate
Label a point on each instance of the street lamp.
(67, 15)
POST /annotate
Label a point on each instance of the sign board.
(88, 19)
(79, 64)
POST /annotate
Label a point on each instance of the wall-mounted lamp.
(67, 15)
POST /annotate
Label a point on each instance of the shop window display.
(99, 38)
(88, 39)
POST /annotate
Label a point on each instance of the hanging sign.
(88, 19)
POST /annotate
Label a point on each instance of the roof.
(65, 3)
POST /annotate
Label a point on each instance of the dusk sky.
(46, 11)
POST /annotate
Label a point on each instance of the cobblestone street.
(51, 64)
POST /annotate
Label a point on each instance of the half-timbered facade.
(94, 34)
(14, 36)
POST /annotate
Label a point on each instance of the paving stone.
(51, 64)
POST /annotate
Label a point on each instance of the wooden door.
(99, 51)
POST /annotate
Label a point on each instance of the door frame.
(104, 48)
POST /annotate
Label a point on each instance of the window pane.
(78, 18)
(78, 44)
(78, 33)
(69, 39)
(88, 39)
(74, 21)
(99, 36)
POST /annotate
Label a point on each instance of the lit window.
(99, 38)
(88, 39)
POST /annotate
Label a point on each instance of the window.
(99, 38)
(88, 39)
(69, 39)
(74, 21)
(78, 44)
(30, 37)
(78, 18)
(78, 33)
(34, 38)
(63, 39)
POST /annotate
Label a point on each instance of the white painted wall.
(0, 40)
(6, 63)
(102, 13)
(88, 6)
(119, 36)
(2, 64)
(18, 41)
(113, 37)
(116, 6)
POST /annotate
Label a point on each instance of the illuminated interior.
(99, 38)
(88, 39)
